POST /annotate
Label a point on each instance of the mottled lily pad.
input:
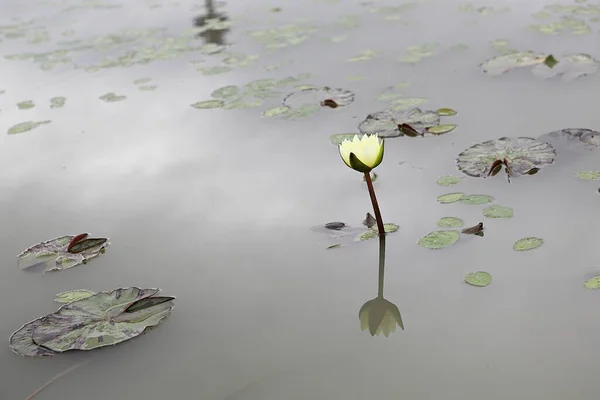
(446, 112)
(57, 102)
(386, 123)
(25, 105)
(593, 283)
(450, 198)
(320, 96)
(497, 212)
(589, 175)
(475, 199)
(448, 180)
(522, 153)
(479, 278)
(441, 129)
(276, 111)
(111, 97)
(25, 126)
(450, 222)
(373, 232)
(439, 239)
(102, 319)
(208, 104)
(528, 243)
(54, 254)
(73, 295)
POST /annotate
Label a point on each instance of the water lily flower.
(380, 316)
(362, 153)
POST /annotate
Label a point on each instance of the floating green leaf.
(373, 232)
(446, 112)
(276, 111)
(528, 243)
(25, 126)
(73, 295)
(57, 102)
(441, 129)
(593, 283)
(439, 239)
(448, 180)
(476, 199)
(208, 104)
(26, 105)
(498, 212)
(450, 197)
(589, 175)
(226, 92)
(450, 222)
(111, 97)
(479, 278)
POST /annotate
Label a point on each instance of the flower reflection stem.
(381, 266)
(375, 204)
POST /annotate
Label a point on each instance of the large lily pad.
(55, 255)
(523, 155)
(102, 319)
(386, 123)
(323, 96)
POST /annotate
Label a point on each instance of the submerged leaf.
(528, 243)
(479, 278)
(439, 239)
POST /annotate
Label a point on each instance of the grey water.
(218, 206)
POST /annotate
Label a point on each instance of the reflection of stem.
(381, 266)
(375, 204)
(210, 8)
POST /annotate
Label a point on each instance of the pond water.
(218, 206)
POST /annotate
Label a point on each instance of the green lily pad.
(26, 105)
(450, 197)
(446, 112)
(441, 129)
(528, 243)
(57, 102)
(450, 222)
(111, 97)
(479, 278)
(589, 175)
(102, 319)
(373, 232)
(226, 92)
(73, 295)
(439, 239)
(476, 199)
(448, 180)
(25, 126)
(208, 104)
(497, 212)
(276, 111)
(593, 283)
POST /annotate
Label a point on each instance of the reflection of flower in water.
(380, 316)
(215, 25)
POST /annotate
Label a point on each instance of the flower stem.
(375, 204)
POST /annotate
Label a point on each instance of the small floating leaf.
(370, 234)
(57, 102)
(448, 180)
(528, 243)
(276, 111)
(479, 278)
(497, 212)
(25, 126)
(550, 61)
(73, 295)
(226, 92)
(450, 197)
(439, 239)
(589, 175)
(208, 104)
(476, 199)
(441, 129)
(593, 283)
(450, 222)
(446, 112)
(26, 105)
(111, 97)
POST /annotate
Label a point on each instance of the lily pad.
(208, 104)
(479, 278)
(528, 243)
(448, 180)
(53, 253)
(73, 295)
(102, 319)
(450, 222)
(506, 62)
(319, 96)
(497, 212)
(593, 283)
(25, 126)
(386, 123)
(446, 112)
(450, 197)
(441, 129)
(276, 111)
(373, 232)
(111, 97)
(589, 175)
(522, 153)
(474, 199)
(57, 102)
(226, 92)
(25, 105)
(439, 239)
